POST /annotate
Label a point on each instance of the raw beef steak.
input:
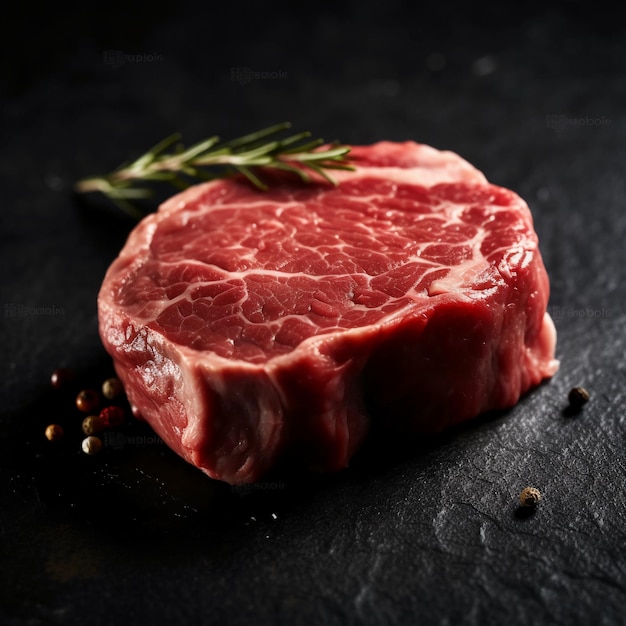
(247, 325)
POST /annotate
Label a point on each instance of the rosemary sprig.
(211, 159)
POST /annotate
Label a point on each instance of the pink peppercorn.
(112, 416)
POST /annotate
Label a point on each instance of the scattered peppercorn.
(578, 396)
(136, 412)
(61, 376)
(530, 496)
(91, 445)
(87, 401)
(112, 416)
(93, 424)
(54, 432)
(112, 388)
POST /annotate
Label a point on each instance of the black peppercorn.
(61, 376)
(578, 396)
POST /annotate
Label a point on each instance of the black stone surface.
(422, 532)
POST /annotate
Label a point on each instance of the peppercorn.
(54, 432)
(112, 416)
(578, 396)
(93, 424)
(91, 445)
(61, 376)
(136, 412)
(87, 400)
(112, 388)
(530, 496)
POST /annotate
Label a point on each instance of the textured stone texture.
(426, 533)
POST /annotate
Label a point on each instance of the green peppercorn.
(112, 388)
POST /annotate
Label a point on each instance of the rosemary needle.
(171, 162)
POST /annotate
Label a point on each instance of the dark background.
(426, 532)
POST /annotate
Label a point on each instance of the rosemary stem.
(245, 155)
(87, 185)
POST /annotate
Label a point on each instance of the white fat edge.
(422, 176)
(180, 200)
(548, 337)
(438, 165)
(137, 246)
